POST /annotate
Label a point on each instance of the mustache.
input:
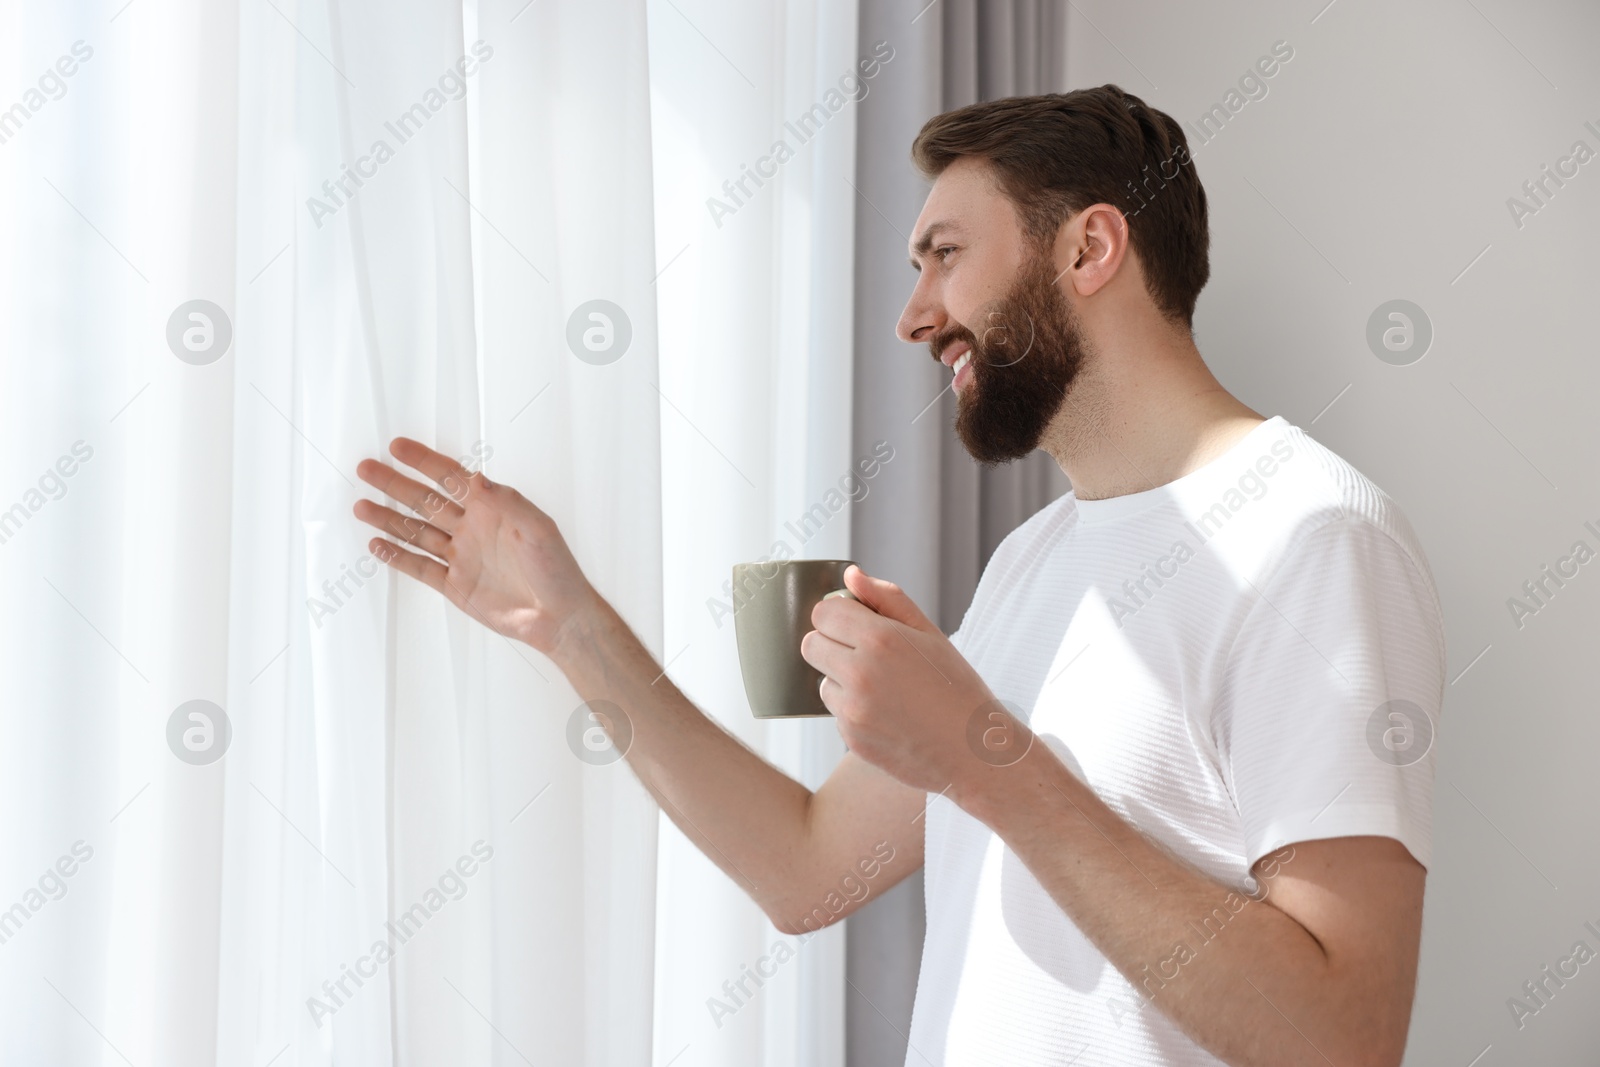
(999, 335)
(952, 334)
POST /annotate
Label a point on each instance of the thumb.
(886, 598)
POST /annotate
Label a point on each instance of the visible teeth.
(961, 361)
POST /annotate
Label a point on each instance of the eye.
(944, 252)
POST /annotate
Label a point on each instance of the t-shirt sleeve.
(1327, 714)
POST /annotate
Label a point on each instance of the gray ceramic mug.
(772, 612)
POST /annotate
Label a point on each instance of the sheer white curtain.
(180, 529)
(755, 306)
(376, 843)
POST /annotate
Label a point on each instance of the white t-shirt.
(1216, 659)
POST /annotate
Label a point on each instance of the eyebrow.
(924, 243)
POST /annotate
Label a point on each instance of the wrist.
(582, 629)
(996, 795)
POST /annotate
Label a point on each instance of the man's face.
(984, 289)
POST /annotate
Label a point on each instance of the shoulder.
(1341, 501)
(1336, 533)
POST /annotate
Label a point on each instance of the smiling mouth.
(954, 351)
(957, 355)
(963, 372)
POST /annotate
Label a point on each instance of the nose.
(923, 314)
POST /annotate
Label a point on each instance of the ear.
(1090, 248)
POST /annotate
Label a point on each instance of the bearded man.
(1205, 680)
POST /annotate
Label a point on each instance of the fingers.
(429, 538)
(455, 479)
(429, 503)
(430, 572)
(886, 598)
(843, 620)
(822, 691)
(824, 653)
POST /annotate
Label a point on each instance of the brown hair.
(1056, 154)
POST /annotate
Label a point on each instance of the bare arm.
(807, 859)
(1321, 969)
(787, 847)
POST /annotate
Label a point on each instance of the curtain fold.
(564, 161)
(755, 301)
(938, 516)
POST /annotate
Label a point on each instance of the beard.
(1026, 356)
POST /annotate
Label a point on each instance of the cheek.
(970, 293)
(962, 304)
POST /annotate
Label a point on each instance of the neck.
(1142, 413)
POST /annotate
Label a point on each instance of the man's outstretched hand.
(485, 546)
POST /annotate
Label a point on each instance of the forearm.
(747, 816)
(1239, 976)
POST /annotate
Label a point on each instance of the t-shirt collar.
(1201, 483)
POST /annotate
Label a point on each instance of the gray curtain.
(933, 516)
